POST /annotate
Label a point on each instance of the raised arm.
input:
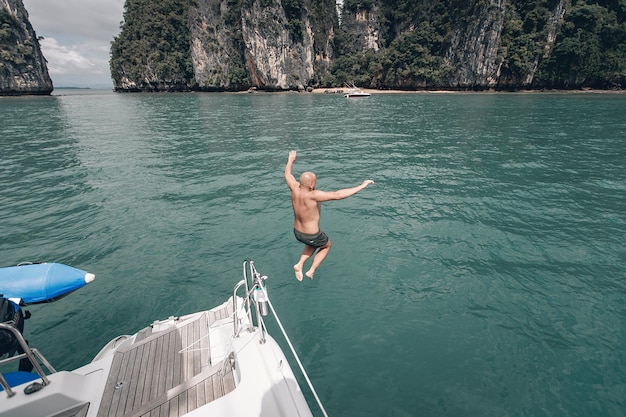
(340, 194)
(291, 180)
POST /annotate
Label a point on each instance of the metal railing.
(254, 285)
(31, 354)
(261, 302)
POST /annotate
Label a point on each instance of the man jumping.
(306, 202)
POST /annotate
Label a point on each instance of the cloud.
(91, 19)
(66, 59)
(78, 64)
(77, 37)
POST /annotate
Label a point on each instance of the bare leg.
(306, 254)
(318, 259)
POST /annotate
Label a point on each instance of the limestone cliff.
(475, 48)
(363, 28)
(255, 49)
(232, 45)
(274, 59)
(486, 50)
(217, 60)
(23, 69)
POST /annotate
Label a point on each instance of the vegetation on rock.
(152, 51)
(401, 44)
(23, 69)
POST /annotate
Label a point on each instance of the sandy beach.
(340, 90)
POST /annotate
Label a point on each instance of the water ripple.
(482, 273)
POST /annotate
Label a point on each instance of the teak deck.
(168, 373)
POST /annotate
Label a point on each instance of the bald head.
(307, 180)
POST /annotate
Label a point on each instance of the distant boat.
(213, 363)
(355, 92)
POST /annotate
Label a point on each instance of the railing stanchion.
(28, 353)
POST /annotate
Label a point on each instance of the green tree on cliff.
(395, 43)
(152, 50)
(591, 47)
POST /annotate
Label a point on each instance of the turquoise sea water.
(481, 275)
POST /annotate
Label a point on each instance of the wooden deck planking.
(173, 406)
(160, 369)
(139, 378)
(133, 381)
(122, 394)
(107, 397)
(149, 377)
(151, 390)
(221, 313)
(205, 353)
(165, 409)
(187, 334)
(185, 397)
(200, 396)
(175, 358)
(166, 374)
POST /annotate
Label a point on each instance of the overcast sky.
(77, 38)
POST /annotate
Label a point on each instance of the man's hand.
(366, 183)
(292, 156)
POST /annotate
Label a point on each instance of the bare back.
(307, 201)
(306, 210)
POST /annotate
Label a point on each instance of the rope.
(293, 351)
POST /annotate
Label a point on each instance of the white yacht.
(214, 363)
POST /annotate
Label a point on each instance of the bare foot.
(309, 273)
(298, 272)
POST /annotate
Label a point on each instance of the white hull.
(195, 365)
(357, 95)
(355, 92)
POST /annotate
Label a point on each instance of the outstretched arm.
(291, 180)
(340, 194)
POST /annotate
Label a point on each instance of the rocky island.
(23, 69)
(277, 45)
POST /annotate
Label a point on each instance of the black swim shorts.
(316, 240)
